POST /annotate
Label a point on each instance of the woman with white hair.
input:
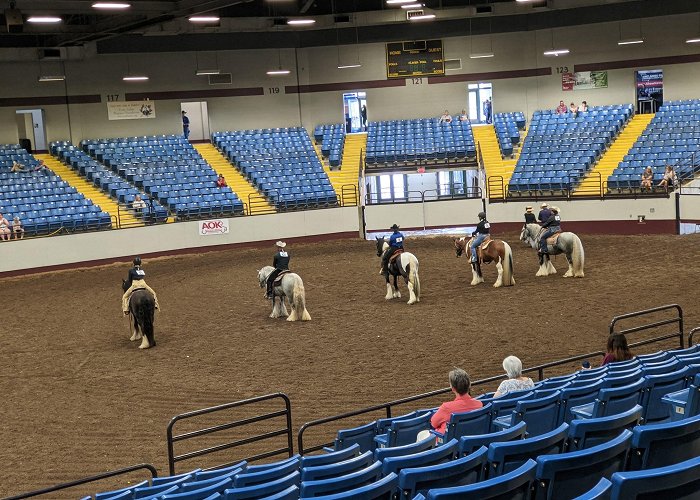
(515, 381)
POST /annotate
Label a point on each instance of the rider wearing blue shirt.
(395, 243)
(483, 230)
(552, 226)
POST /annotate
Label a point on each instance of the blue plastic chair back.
(397, 451)
(541, 415)
(317, 472)
(655, 388)
(403, 432)
(362, 435)
(589, 432)
(263, 490)
(506, 457)
(200, 494)
(379, 490)
(571, 397)
(291, 493)
(600, 491)
(339, 484)
(248, 478)
(469, 444)
(330, 458)
(659, 445)
(434, 456)
(680, 481)
(467, 423)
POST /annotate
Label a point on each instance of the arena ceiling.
(163, 25)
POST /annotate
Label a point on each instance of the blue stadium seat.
(330, 458)
(362, 436)
(684, 403)
(466, 423)
(600, 491)
(264, 489)
(611, 401)
(434, 456)
(469, 444)
(658, 445)
(342, 483)
(315, 473)
(210, 473)
(199, 494)
(379, 490)
(655, 387)
(252, 476)
(586, 433)
(680, 481)
(398, 451)
(402, 432)
(540, 414)
(508, 456)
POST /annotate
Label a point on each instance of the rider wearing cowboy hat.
(136, 280)
(483, 229)
(544, 213)
(552, 226)
(281, 263)
(529, 216)
(395, 243)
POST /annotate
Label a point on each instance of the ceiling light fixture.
(300, 22)
(204, 72)
(44, 19)
(278, 72)
(631, 41)
(204, 19)
(693, 40)
(346, 66)
(135, 78)
(556, 52)
(422, 17)
(399, 2)
(412, 6)
(481, 55)
(111, 5)
(52, 78)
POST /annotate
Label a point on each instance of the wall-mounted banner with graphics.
(650, 87)
(213, 227)
(131, 110)
(584, 80)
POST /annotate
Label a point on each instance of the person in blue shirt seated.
(395, 243)
(483, 230)
(552, 226)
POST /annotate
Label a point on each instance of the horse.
(566, 243)
(405, 265)
(142, 307)
(290, 286)
(497, 251)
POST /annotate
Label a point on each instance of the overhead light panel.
(347, 66)
(204, 19)
(111, 5)
(481, 55)
(301, 22)
(399, 2)
(412, 6)
(52, 78)
(693, 40)
(135, 78)
(556, 52)
(44, 19)
(278, 72)
(204, 72)
(631, 41)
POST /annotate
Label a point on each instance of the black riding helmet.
(137, 261)
(482, 215)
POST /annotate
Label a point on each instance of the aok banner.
(213, 227)
(131, 110)
(584, 80)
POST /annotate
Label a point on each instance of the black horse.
(405, 265)
(142, 307)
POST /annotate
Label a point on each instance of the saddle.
(278, 279)
(485, 244)
(552, 240)
(395, 255)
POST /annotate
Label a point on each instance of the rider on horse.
(529, 216)
(483, 230)
(281, 263)
(395, 244)
(544, 214)
(551, 226)
(136, 281)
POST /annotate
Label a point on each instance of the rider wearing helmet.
(136, 281)
(281, 263)
(395, 243)
(552, 226)
(483, 230)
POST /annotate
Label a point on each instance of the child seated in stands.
(669, 179)
(647, 179)
(221, 182)
(17, 229)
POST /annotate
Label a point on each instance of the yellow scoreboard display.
(414, 59)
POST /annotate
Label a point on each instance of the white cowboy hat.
(528, 209)
(544, 205)
(556, 209)
(281, 244)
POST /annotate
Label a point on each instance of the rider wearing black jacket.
(281, 263)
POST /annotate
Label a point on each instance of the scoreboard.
(414, 59)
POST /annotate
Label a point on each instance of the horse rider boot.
(281, 263)
(135, 281)
(395, 243)
(551, 226)
(483, 231)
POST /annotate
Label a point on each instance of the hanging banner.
(584, 80)
(131, 110)
(650, 87)
(213, 226)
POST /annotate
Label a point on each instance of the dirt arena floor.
(78, 398)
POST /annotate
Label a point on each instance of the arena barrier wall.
(44, 254)
(689, 211)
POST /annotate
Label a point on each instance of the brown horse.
(497, 251)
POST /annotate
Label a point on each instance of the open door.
(355, 111)
(31, 131)
(198, 115)
(479, 101)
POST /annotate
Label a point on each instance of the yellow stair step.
(92, 193)
(248, 194)
(495, 165)
(344, 180)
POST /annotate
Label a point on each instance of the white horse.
(566, 243)
(292, 287)
(405, 265)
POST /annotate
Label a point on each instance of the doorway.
(31, 130)
(478, 95)
(355, 112)
(198, 114)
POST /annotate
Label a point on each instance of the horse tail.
(300, 301)
(413, 277)
(507, 279)
(146, 312)
(578, 256)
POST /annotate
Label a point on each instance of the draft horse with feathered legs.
(142, 309)
(567, 243)
(491, 250)
(403, 264)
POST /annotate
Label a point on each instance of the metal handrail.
(470, 192)
(678, 319)
(171, 439)
(691, 334)
(90, 479)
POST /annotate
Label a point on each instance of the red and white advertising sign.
(213, 227)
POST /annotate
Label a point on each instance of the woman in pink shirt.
(460, 384)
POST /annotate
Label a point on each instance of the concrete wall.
(100, 75)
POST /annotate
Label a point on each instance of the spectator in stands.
(138, 204)
(17, 229)
(573, 109)
(562, 109)
(185, 125)
(544, 214)
(221, 182)
(446, 117)
(617, 349)
(464, 117)
(583, 107)
(17, 167)
(647, 179)
(363, 116)
(669, 179)
(42, 168)
(515, 381)
(4, 228)
(487, 110)
(460, 384)
(281, 263)
(552, 226)
(529, 216)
